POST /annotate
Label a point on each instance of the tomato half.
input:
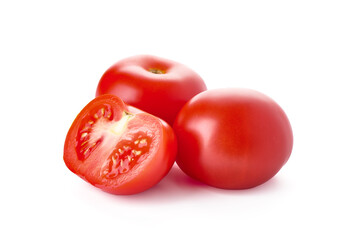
(117, 148)
(232, 138)
(156, 85)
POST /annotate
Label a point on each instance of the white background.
(303, 54)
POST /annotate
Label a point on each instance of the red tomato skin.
(138, 181)
(232, 138)
(162, 95)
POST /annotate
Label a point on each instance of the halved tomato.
(118, 148)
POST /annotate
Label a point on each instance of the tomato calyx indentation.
(126, 155)
(156, 71)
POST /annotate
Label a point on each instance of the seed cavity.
(127, 154)
(136, 152)
(142, 143)
(86, 140)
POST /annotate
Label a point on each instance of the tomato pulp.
(156, 85)
(118, 148)
(232, 138)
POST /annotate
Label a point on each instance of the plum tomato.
(232, 138)
(118, 148)
(155, 85)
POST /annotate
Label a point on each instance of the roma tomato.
(155, 85)
(232, 138)
(117, 148)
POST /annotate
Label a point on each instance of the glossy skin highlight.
(232, 138)
(155, 85)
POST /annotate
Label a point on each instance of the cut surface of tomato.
(117, 149)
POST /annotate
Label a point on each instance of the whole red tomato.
(232, 138)
(118, 148)
(155, 85)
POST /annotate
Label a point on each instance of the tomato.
(232, 138)
(118, 148)
(153, 84)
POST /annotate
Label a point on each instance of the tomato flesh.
(113, 147)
